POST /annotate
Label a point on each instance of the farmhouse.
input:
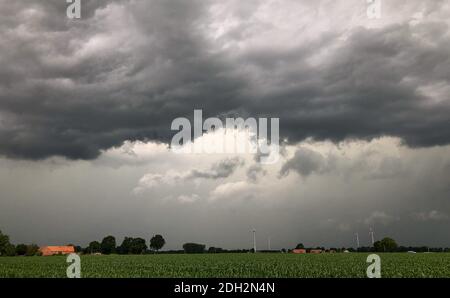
(299, 251)
(56, 250)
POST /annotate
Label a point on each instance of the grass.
(231, 265)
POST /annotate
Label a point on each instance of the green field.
(231, 265)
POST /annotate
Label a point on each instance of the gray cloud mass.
(128, 68)
(305, 162)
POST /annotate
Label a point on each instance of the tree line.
(137, 246)
(129, 246)
(8, 249)
(386, 244)
(107, 246)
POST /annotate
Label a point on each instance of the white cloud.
(219, 170)
(432, 215)
(233, 190)
(377, 159)
(188, 199)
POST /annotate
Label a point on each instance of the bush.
(21, 249)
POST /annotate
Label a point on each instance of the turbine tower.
(357, 240)
(371, 236)
(254, 240)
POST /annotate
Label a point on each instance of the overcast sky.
(86, 108)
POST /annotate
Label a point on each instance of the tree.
(4, 244)
(6, 248)
(21, 249)
(194, 248)
(385, 245)
(10, 250)
(32, 250)
(157, 242)
(94, 247)
(389, 244)
(138, 246)
(125, 247)
(108, 245)
(215, 250)
(378, 246)
(300, 246)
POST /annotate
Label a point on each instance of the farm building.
(299, 251)
(56, 250)
(316, 251)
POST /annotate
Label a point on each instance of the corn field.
(401, 265)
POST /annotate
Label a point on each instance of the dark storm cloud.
(371, 88)
(75, 101)
(124, 72)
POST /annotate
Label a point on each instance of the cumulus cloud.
(377, 159)
(188, 199)
(305, 162)
(255, 172)
(233, 190)
(223, 169)
(220, 170)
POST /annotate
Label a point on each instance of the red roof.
(54, 250)
(299, 251)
